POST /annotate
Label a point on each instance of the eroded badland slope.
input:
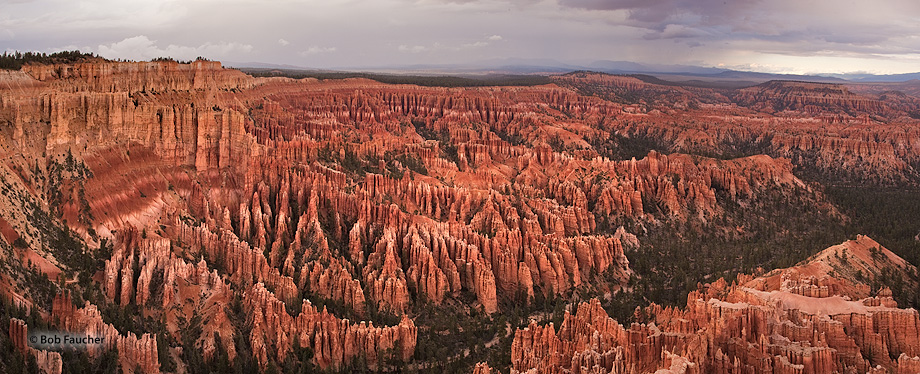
(204, 220)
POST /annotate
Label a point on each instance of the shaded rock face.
(753, 325)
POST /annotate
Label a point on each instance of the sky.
(774, 36)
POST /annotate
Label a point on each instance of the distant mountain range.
(676, 73)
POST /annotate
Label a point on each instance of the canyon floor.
(204, 220)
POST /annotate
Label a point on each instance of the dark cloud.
(658, 13)
(610, 4)
(856, 38)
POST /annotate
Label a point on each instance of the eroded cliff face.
(329, 214)
(93, 104)
(812, 318)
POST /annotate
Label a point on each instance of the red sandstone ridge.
(777, 323)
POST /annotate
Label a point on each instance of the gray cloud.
(757, 34)
(790, 27)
